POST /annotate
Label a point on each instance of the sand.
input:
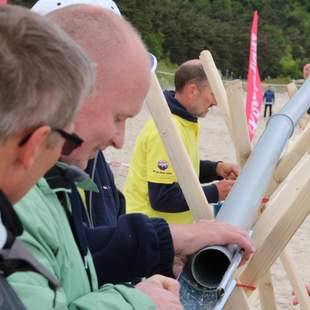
(215, 144)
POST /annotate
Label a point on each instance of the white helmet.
(44, 7)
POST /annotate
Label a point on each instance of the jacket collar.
(176, 107)
(62, 175)
(9, 218)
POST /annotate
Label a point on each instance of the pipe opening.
(209, 266)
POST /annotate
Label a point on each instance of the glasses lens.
(72, 141)
(68, 147)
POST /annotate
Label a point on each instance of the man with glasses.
(44, 78)
(51, 225)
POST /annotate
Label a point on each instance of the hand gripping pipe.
(213, 267)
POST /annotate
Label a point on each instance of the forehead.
(125, 99)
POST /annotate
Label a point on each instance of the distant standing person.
(269, 99)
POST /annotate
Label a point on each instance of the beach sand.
(215, 144)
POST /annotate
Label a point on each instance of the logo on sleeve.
(162, 164)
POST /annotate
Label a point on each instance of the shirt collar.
(9, 217)
(176, 107)
(62, 175)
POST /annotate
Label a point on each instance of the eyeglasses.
(72, 140)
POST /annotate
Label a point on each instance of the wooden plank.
(288, 208)
(291, 89)
(217, 87)
(238, 300)
(176, 151)
(295, 280)
(241, 137)
(266, 292)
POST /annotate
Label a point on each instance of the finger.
(245, 243)
(236, 170)
(231, 182)
(232, 176)
(172, 286)
(295, 301)
(169, 284)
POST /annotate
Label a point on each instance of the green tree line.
(177, 30)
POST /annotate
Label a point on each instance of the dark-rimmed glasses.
(72, 140)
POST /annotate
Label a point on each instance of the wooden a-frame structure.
(289, 189)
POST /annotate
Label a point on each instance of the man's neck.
(181, 100)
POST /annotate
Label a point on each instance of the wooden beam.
(217, 87)
(178, 156)
(291, 89)
(288, 208)
(241, 137)
(266, 292)
(295, 280)
(238, 300)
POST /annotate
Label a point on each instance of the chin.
(82, 164)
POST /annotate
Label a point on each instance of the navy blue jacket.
(169, 197)
(124, 247)
(269, 96)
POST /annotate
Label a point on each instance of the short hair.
(189, 73)
(44, 75)
(104, 35)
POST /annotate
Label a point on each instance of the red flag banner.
(254, 97)
(3, 1)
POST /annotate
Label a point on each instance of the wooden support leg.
(266, 293)
(291, 89)
(241, 137)
(217, 87)
(288, 209)
(295, 280)
(238, 300)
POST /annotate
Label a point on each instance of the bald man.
(125, 247)
(151, 186)
(117, 243)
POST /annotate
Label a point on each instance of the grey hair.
(44, 75)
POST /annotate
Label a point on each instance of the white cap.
(45, 7)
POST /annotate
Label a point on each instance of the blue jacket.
(124, 247)
(269, 96)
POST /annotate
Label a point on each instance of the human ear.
(192, 89)
(30, 150)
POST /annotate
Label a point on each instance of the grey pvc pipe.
(241, 206)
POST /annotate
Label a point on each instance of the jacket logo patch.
(162, 164)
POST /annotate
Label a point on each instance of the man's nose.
(118, 140)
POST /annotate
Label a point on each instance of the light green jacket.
(48, 235)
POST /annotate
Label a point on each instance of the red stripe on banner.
(254, 97)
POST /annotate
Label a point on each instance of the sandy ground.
(216, 145)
